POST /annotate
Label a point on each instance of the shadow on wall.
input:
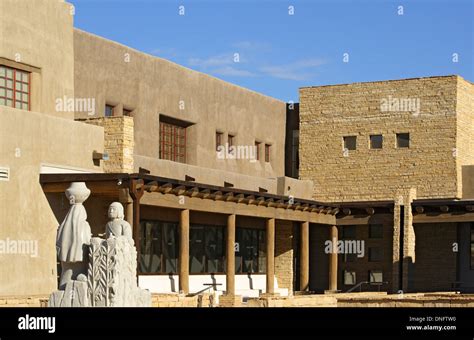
(468, 181)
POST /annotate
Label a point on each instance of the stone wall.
(118, 142)
(465, 133)
(177, 300)
(23, 301)
(284, 254)
(435, 265)
(328, 113)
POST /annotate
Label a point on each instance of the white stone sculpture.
(74, 236)
(117, 226)
(107, 275)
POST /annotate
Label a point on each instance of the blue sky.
(277, 52)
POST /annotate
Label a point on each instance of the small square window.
(375, 276)
(349, 232)
(349, 278)
(267, 153)
(127, 113)
(231, 140)
(219, 137)
(376, 141)
(375, 230)
(350, 142)
(375, 254)
(109, 110)
(403, 140)
(257, 150)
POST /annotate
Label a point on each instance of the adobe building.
(225, 188)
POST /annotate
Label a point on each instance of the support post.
(304, 256)
(184, 251)
(270, 256)
(333, 260)
(230, 255)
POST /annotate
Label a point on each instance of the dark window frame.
(14, 100)
(112, 109)
(257, 152)
(162, 241)
(371, 254)
(376, 235)
(173, 142)
(471, 243)
(219, 139)
(222, 258)
(260, 242)
(267, 152)
(373, 142)
(399, 140)
(348, 146)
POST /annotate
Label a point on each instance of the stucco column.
(270, 256)
(184, 251)
(304, 256)
(333, 259)
(230, 256)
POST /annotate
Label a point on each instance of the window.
(376, 141)
(109, 111)
(172, 142)
(267, 153)
(375, 276)
(127, 112)
(219, 136)
(159, 247)
(349, 278)
(257, 150)
(403, 140)
(206, 249)
(375, 230)
(14, 88)
(472, 246)
(350, 142)
(250, 255)
(230, 140)
(349, 233)
(375, 254)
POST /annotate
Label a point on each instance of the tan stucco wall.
(465, 138)
(152, 86)
(27, 140)
(328, 113)
(40, 34)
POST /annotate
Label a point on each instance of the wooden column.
(129, 212)
(304, 256)
(333, 259)
(230, 256)
(270, 256)
(136, 189)
(184, 251)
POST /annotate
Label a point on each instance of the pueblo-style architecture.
(366, 186)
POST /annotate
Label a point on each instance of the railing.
(360, 284)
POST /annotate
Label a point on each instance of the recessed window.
(349, 232)
(109, 111)
(472, 245)
(231, 140)
(14, 88)
(350, 142)
(376, 141)
(267, 153)
(250, 252)
(349, 278)
(219, 139)
(375, 276)
(375, 254)
(206, 249)
(257, 150)
(159, 247)
(172, 142)
(375, 230)
(127, 113)
(403, 140)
